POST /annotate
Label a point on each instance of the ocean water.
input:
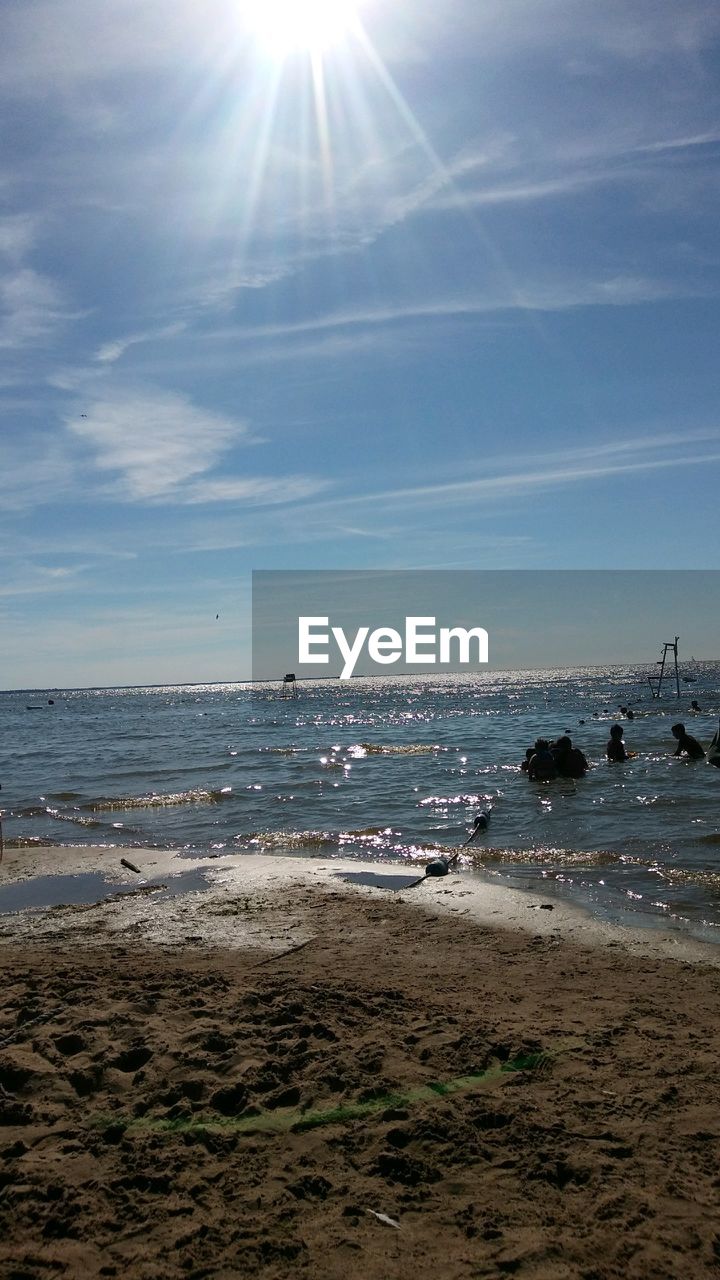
(387, 770)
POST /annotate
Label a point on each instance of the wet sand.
(237, 1082)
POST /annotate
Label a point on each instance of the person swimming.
(569, 760)
(615, 749)
(686, 744)
(541, 765)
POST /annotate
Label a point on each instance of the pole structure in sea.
(289, 686)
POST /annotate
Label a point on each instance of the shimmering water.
(386, 770)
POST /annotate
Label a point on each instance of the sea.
(390, 771)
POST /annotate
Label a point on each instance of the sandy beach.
(288, 1073)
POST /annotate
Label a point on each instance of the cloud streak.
(559, 294)
(551, 471)
(112, 351)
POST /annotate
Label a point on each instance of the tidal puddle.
(90, 887)
(378, 881)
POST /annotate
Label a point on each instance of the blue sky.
(442, 295)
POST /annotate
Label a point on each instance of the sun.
(312, 26)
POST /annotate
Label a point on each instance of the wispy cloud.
(164, 448)
(32, 306)
(155, 442)
(260, 490)
(17, 234)
(709, 138)
(398, 519)
(29, 579)
(524, 190)
(503, 480)
(559, 294)
(34, 470)
(220, 290)
(111, 351)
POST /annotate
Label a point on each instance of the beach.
(288, 1072)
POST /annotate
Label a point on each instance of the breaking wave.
(157, 800)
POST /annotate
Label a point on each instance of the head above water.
(678, 730)
(616, 731)
(564, 743)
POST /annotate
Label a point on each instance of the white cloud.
(155, 442)
(524, 190)
(164, 448)
(220, 290)
(705, 139)
(111, 351)
(422, 193)
(17, 234)
(265, 490)
(31, 307)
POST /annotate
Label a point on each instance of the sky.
(410, 286)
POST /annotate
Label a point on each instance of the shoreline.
(176, 898)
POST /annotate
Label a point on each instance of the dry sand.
(236, 1083)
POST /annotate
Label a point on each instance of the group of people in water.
(560, 759)
(548, 760)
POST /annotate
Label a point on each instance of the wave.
(553, 857)
(379, 839)
(78, 819)
(389, 842)
(29, 842)
(282, 840)
(111, 804)
(440, 801)
(157, 800)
